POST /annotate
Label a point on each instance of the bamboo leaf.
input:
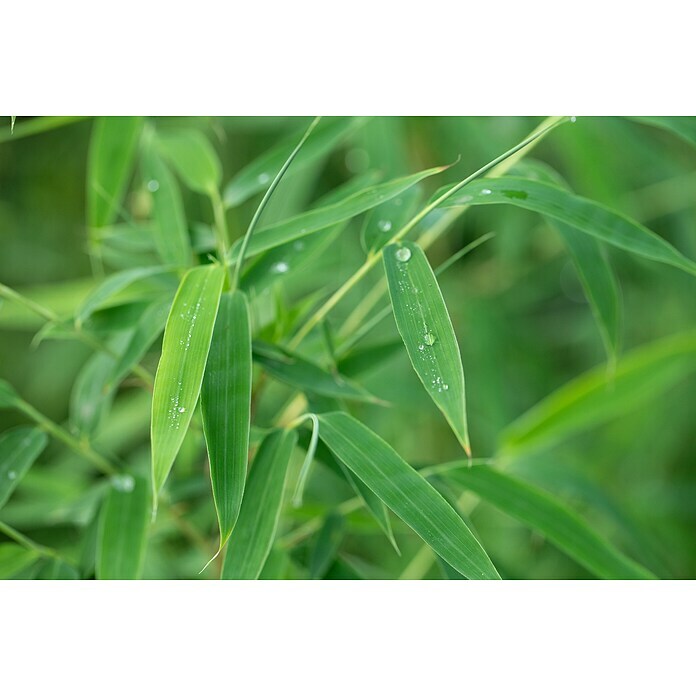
(537, 509)
(326, 545)
(19, 449)
(407, 493)
(193, 158)
(14, 559)
(185, 347)
(595, 397)
(253, 535)
(123, 529)
(426, 329)
(587, 216)
(111, 158)
(170, 230)
(226, 408)
(320, 218)
(256, 176)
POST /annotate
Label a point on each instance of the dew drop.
(280, 267)
(486, 192)
(429, 338)
(153, 185)
(465, 199)
(403, 254)
(573, 119)
(298, 245)
(264, 178)
(12, 475)
(421, 347)
(384, 225)
(182, 409)
(123, 483)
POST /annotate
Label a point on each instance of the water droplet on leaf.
(403, 254)
(280, 267)
(486, 192)
(384, 225)
(153, 185)
(429, 338)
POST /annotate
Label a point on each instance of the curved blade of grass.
(226, 408)
(111, 159)
(585, 215)
(326, 546)
(169, 229)
(252, 539)
(14, 559)
(683, 126)
(123, 529)
(185, 347)
(426, 329)
(256, 176)
(537, 509)
(407, 493)
(19, 449)
(307, 376)
(193, 158)
(326, 216)
(596, 397)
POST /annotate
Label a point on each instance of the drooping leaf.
(252, 538)
(111, 159)
(534, 507)
(407, 493)
(185, 347)
(426, 329)
(326, 545)
(595, 397)
(256, 176)
(587, 216)
(226, 408)
(123, 529)
(193, 158)
(14, 559)
(326, 216)
(19, 449)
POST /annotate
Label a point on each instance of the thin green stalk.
(14, 296)
(264, 202)
(221, 231)
(373, 258)
(27, 543)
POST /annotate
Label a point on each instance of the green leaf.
(537, 509)
(407, 493)
(257, 175)
(226, 408)
(111, 157)
(683, 126)
(253, 535)
(386, 219)
(305, 375)
(19, 449)
(185, 347)
(587, 216)
(14, 559)
(326, 216)
(425, 327)
(123, 528)
(193, 158)
(56, 569)
(595, 396)
(326, 545)
(8, 396)
(170, 230)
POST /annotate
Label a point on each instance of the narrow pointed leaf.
(587, 216)
(193, 158)
(326, 545)
(19, 449)
(14, 559)
(426, 329)
(256, 176)
(226, 408)
(537, 509)
(111, 158)
(326, 216)
(180, 371)
(595, 396)
(407, 493)
(253, 535)
(123, 529)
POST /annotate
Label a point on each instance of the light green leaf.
(19, 449)
(257, 175)
(226, 408)
(683, 126)
(326, 545)
(14, 559)
(326, 216)
(170, 231)
(123, 529)
(425, 327)
(179, 375)
(587, 216)
(193, 158)
(253, 535)
(407, 493)
(111, 158)
(595, 396)
(537, 509)
(305, 375)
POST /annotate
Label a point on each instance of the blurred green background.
(519, 312)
